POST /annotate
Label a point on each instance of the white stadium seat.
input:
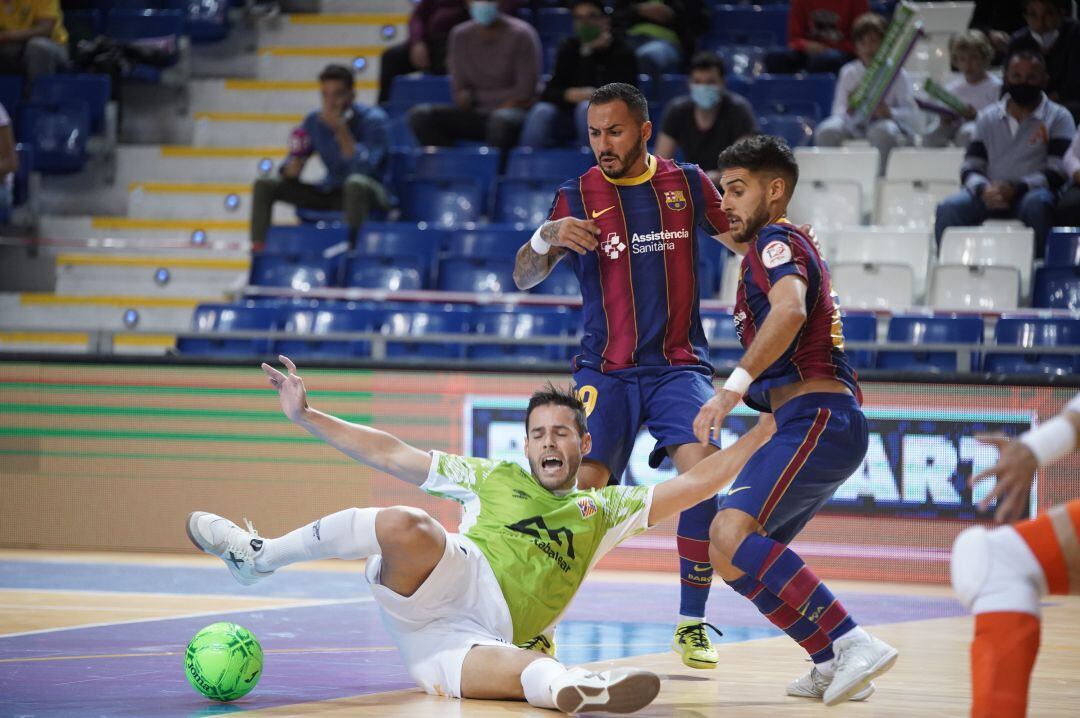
(860, 245)
(911, 204)
(944, 18)
(859, 164)
(874, 286)
(826, 204)
(729, 282)
(991, 289)
(991, 246)
(919, 163)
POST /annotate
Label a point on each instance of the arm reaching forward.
(378, 449)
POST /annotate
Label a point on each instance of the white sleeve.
(845, 85)
(5, 119)
(1072, 158)
(634, 521)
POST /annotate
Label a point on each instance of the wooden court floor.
(52, 603)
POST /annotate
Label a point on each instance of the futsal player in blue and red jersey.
(628, 228)
(795, 367)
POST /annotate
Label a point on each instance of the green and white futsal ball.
(223, 661)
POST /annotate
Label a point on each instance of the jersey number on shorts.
(588, 394)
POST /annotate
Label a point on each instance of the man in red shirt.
(819, 36)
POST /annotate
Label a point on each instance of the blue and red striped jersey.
(780, 250)
(640, 286)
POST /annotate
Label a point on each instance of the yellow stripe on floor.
(249, 117)
(220, 152)
(159, 341)
(191, 187)
(169, 262)
(180, 224)
(323, 50)
(43, 300)
(44, 337)
(344, 19)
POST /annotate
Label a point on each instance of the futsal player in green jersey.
(456, 604)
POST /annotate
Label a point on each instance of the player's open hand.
(1015, 469)
(577, 235)
(290, 389)
(711, 416)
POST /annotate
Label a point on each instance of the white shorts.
(459, 605)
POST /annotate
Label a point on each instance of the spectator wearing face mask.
(1014, 166)
(590, 58)
(494, 63)
(1051, 31)
(708, 121)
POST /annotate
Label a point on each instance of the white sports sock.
(348, 534)
(536, 681)
(698, 619)
(855, 635)
(827, 668)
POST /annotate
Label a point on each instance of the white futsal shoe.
(857, 663)
(814, 684)
(222, 538)
(619, 690)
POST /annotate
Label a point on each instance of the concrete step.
(113, 312)
(212, 200)
(113, 231)
(175, 274)
(142, 344)
(182, 163)
(285, 62)
(243, 129)
(335, 29)
(268, 96)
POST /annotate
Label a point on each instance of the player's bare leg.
(507, 673)
(691, 640)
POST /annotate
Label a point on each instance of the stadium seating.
(720, 326)
(827, 204)
(420, 323)
(983, 288)
(562, 282)
(807, 95)
(11, 94)
(747, 25)
(476, 274)
(407, 91)
(729, 282)
(324, 319)
(859, 327)
(245, 316)
(522, 201)
(880, 286)
(553, 24)
(1029, 332)
(94, 90)
(884, 244)
(555, 164)
(443, 202)
(1063, 247)
(58, 132)
(269, 270)
(858, 164)
(306, 240)
(925, 330)
(496, 241)
(746, 61)
(164, 28)
(402, 239)
(387, 271)
(1057, 288)
(919, 163)
(522, 323)
(797, 131)
(989, 245)
(910, 204)
(478, 163)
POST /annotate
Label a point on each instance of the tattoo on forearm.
(530, 268)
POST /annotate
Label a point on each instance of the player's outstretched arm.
(378, 449)
(549, 243)
(710, 475)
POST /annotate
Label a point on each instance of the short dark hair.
(763, 153)
(707, 60)
(620, 91)
(869, 23)
(559, 396)
(1026, 54)
(337, 73)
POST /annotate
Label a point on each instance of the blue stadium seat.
(11, 93)
(83, 24)
(160, 26)
(443, 203)
(94, 90)
(1031, 332)
(521, 323)
(747, 25)
(1057, 288)
(522, 201)
(349, 317)
(401, 135)
(21, 181)
(1063, 247)
(268, 270)
(306, 240)
(797, 131)
(671, 86)
(929, 329)
(562, 282)
(397, 273)
(245, 316)
(403, 239)
(497, 241)
(720, 326)
(475, 274)
(556, 164)
(647, 87)
(206, 20)
(477, 163)
(553, 24)
(407, 91)
(708, 278)
(807, 95)
(860, 327)
(742, 60)
(418, 323)
(58, 132)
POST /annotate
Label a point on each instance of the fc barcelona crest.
(675, 199)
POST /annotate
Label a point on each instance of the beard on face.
(624, 163)
(570, 463)
(752, 224)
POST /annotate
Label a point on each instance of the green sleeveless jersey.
(540, 545)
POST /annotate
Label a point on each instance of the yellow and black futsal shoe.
(693, 644)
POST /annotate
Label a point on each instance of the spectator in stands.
(1068, 207)
(1014, 165)
(892, 123)
(971, 54)
(494, 64)
(707, 122)
(1051, 31)
(425, 51)
(663, 33)
(351, 139)
(590, 58)
(33, 41)
(998, 21)
(9, 163)
(819, 36)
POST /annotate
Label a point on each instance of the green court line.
(174, 390)
(164, 435)
(159, 412)
(184, 457)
